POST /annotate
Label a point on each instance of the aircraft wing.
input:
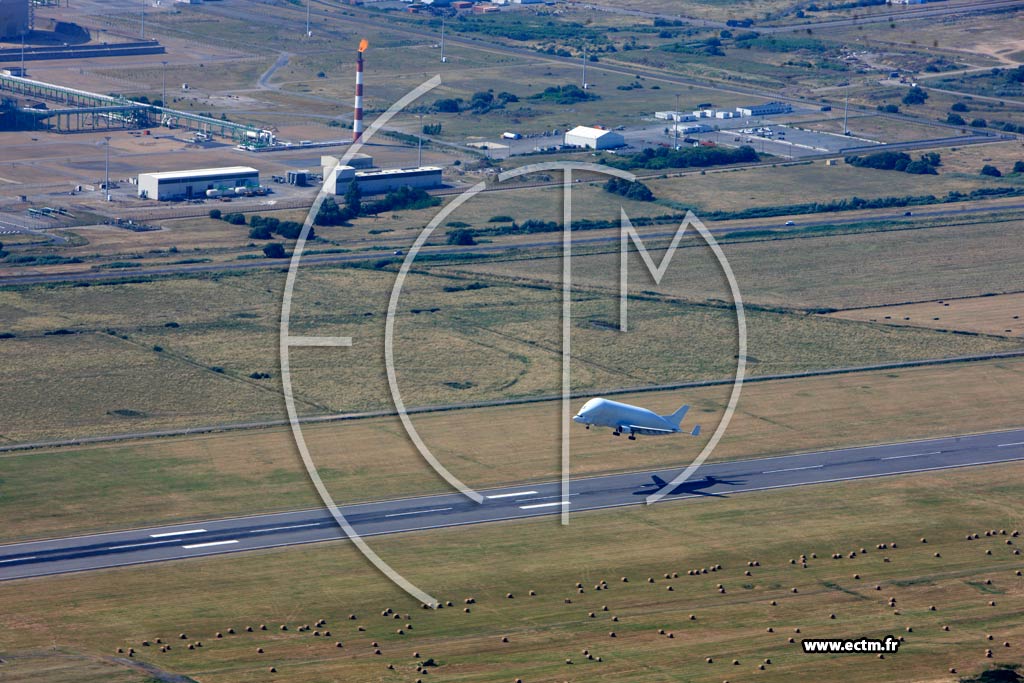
(638, 429)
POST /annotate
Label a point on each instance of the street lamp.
(163, 86)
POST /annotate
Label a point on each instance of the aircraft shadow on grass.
(694, 487)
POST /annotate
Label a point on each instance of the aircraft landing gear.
(616, 433)
(588, 426)
(632, 437)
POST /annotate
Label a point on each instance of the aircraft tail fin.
(696, 431)
(677, 417)
(658, 481)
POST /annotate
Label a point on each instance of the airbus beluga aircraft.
(629, 419)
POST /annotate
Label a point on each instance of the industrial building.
(765, 109)
(169, 185)
(381, 181)
(593, 138)
(14, 18)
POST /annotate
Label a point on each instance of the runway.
(199, 539)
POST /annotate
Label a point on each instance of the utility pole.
(163, 86)
(846, 115)
(675, 125)
(143, 30)
(443, 58)
(106, 169)
(308, 32)
(419, 144)
(584, 69)
(23, 54)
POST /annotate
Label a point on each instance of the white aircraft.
(632, 420)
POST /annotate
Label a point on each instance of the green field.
(96, 488)
(95, 613)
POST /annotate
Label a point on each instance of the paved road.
(56, 556)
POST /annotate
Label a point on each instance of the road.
(198, 539)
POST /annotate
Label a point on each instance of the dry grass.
(101, 611)
(841, 271)
(98, 487)
(996, 315)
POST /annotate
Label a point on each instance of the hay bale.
(945, 628)
(400, 632)
(796, 630)
(284, 627)
(735, 662)
(316, 634)
(377, 652)
(747, 573)
(924, 540)
(361, 628)
(604, 608)
(792, 640)
(650, 579)
(259, 650)
(611, 634)
(693, 617)
(591, 615)
(938, 555)
(774, 603)
(1006, 644)
(625, 579)
(273, 670)
(615, 618)
(760, 667)
(670, 635)
(509, 596)
(709, 660)
(991, 603)
(988, 552)
(771, 630)
(832, 616)
(504, 639)
(856, 577)
(952, 670)
(219, 635)
(795, 590)
(568, 661)
(338, 644)
(191, 646)
(669, 588)
(910, 629)
(182, 636)
(567, 601)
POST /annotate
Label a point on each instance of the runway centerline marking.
(416, 512)
(510, 495)
(1016, 443)
(912, 455)
(793, 469)
(178, 533)
(543, 505)
(19, 559)
(283, 528)
(208, 545)
(527, 500)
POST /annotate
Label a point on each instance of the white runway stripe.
(178, 533)
(207, 545)
(543, 505)
(511, 495)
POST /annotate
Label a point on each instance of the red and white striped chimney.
(357, 120)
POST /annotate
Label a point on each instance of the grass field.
(135, 346)
(98, 488)
(996, 315)
(95, 613)
(841, 271)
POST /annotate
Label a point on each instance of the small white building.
(381, 181)
(168, 185)
(725, 114)
(593, 138)
(688, 128)
(765, 109)
(674, 116)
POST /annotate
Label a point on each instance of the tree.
(354, 196)
(1018, 167)
(330, 213)
(215, 214)
(960, 107)
(448, 105)
(259, 232)
(979, 123)
(235, 218)
(274, 250)
(915, 96)
(920, 167)
(461, 237)
(955, 120)
(992, 171)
